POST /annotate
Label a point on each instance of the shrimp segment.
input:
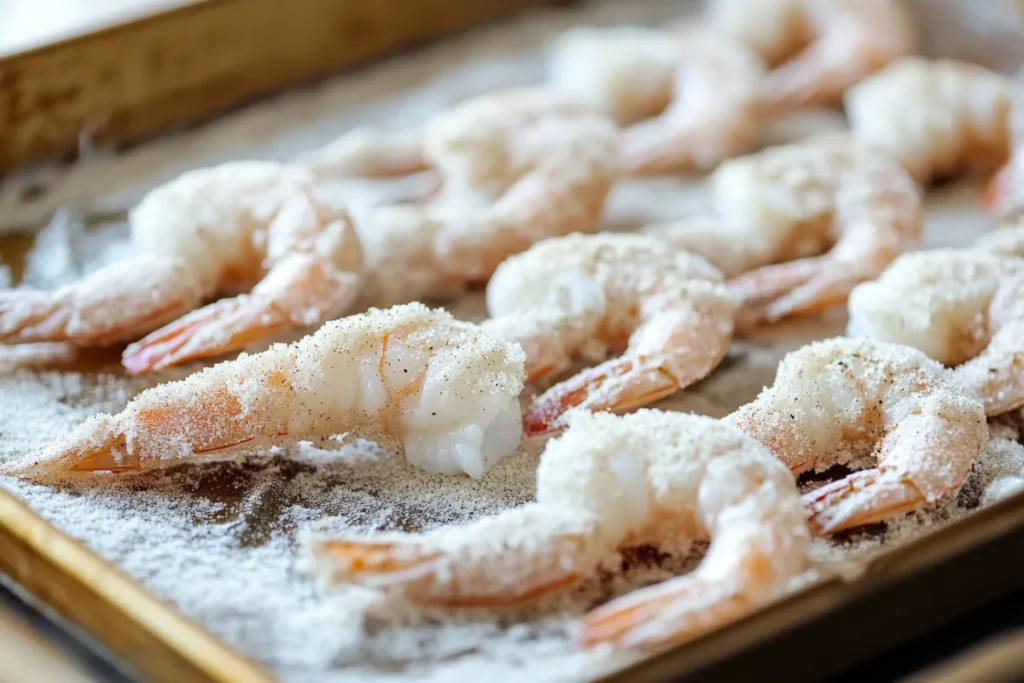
(446, 390)
(865, 205)
(210, 231)
(819, 47)
(936, 117)
(583, 296)
(516, 166)
(685, 95)
(606, 484)
(963, 308)
(837, 401)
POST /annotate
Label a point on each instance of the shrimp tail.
(97, 444)
(676, 610)
(300, 291)
(368, 153)
(617, 385)
(100, 309)
(514, 557)
(861, 498)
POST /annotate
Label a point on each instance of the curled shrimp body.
(841, 400)
(667, 312)
(610, 483)
(214, 230)
(826, 195)
(963, 308)
(686, 96)
(447, 391)
(936, 117)
(516, 166)
(818, 48)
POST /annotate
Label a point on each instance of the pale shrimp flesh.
(843, 401)
(937, 117)
(606, 484)
(445, 390)
(259, 225)
(584, 296)
(818, 48)
(828, 195)
(686, 96)
(1005, 242)
(961, 307)
(516, 166)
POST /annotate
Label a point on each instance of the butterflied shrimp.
(937, 117)
(819, 48)
(963, 308)
(686, 96)
(215, 230)
(583, 296)
(828, 192)
(444, 389)
(610, 483)
(842, 400)
(516, 166)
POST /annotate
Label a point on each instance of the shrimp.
(936, 117)
(827, 193)
(213, 230)
(586, 295)
(1006, 242)
(686, 96)
(961, 307)
(447, 391)
(819, 48)
(840, 400)
(610, 483)
(517, 166)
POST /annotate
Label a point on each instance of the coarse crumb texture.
(220, 541)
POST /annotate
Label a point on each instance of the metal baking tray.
(179, 66)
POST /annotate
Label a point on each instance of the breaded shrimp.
(666, 311)
(609, 483)
(517, 166)
(211, 231)
(841, 400)
(937, 117)
(686, 97)
(819, 47)
(447, 391)
(962, 307)
(825, 195)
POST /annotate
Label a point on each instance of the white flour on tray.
(219, 541)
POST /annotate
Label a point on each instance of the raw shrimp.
(610, 483)
(585, 295)
(517, 166)
(213, 230)
(937, 117)
(686, 96)
(842, 400)
(1005, 242)
(962, 307)
(447, 391)
(825, 195)
(820, 47)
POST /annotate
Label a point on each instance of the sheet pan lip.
(932, 551)
(80, 565)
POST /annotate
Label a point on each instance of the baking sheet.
(219, 541)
